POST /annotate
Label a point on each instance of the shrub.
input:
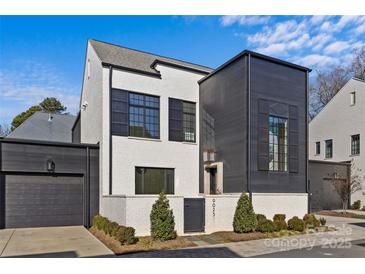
(322, 221)
(125, 235)
(265, 226)
(279, 222)
(279, 217)
(162, 220)
(311, 221)
(244, 217)
(260, 217)
(356, 205)
(296, 224)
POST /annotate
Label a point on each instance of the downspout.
(309, 194)
(87, 190)
(110, 132)
(249, 126)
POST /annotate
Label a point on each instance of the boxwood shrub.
(296, 224)
(125, 235)
(311, 221)
(279, 222)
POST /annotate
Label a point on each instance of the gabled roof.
(139, 61)
(332, 99)
(38, 127)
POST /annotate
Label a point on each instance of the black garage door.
(43, 200)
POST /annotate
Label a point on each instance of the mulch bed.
(340, 214)
(144, 243)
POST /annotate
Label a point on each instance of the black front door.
(194, 214)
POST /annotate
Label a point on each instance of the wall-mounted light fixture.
(51, 166)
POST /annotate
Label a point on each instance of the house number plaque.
(213, 206)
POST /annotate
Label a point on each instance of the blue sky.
(43, 55)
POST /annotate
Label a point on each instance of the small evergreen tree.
(162, 220)
(244, 217)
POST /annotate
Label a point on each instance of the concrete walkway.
(348, 230)
(68, 241)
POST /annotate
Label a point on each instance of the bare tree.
(357, 67)
(4, 130)
(345, 187)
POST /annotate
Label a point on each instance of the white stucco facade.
(121, 203)
(339, 120)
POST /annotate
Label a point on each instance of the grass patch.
(340, 214)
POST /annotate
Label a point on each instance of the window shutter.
(175, 120)
(119, 112)
(263, 135)
(293, 139)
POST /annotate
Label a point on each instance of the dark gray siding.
(76, 131)
(224, 98)
(283, 89)
(34, 201)
(323, 195)
(26, 158)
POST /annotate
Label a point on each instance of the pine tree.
(244, 217)
(162, 220)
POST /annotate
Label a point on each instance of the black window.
(154, 180)
(144, 116)
(355, 144)
(329, 148)
(278, 143)
(318, 148)
(189, 121)
(182, 120)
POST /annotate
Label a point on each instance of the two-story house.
(337, 133)
(201, 136)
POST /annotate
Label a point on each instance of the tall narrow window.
(144, 116)
(329, 148)
(318, 148)
(189, 121)
(154, 180)
(353, 98)
(278, 144)
(355, 144)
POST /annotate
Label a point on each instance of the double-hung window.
(182, 121)
(189, 121)
(329, 148)
(278, 143)
(318, 148)
(355, 144)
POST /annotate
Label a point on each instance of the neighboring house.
(337, 133)
(43, 126)
(202, 136)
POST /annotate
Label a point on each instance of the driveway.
(347, 241)
(67, 241)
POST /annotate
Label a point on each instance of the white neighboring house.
(337, 133)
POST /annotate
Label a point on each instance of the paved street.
(347, 241)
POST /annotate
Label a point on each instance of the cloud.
(242, 20)
(336, 47)
(27, 83)
(314, 41)
(320, 61)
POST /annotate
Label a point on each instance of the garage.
(33, 201)
(46, 184)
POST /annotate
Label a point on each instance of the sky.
(44, 56)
